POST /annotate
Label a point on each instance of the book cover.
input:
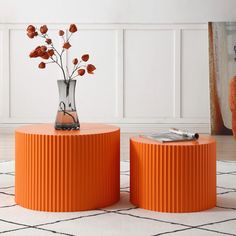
(173, 135)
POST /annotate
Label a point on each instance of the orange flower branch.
(48, 51)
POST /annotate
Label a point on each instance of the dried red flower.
(90, 68)
(75, 61)
(66, 45)
(43, 48)
(61, 32)
(39, 51)
(45, 56)
(33, 54)
(50, 52)
(31, 28)
(85, 57)
(73, 28)
(81, 72)
(46, 52)
(48, 41)
(43, 29)
(30, 34)
(42, 65)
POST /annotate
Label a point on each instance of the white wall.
(151, 58)
(117, 11)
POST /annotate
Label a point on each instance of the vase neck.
(66, 94)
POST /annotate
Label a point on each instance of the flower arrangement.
(50, 54)
(67, 117)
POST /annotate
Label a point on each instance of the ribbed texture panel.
(67, 172)
(173, 178)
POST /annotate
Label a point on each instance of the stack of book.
(173, 135)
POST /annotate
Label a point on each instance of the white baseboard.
(130, 128)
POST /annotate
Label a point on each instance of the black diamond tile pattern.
(122, 218)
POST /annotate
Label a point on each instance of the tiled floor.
(122, 218)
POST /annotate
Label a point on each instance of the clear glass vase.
(67, 117)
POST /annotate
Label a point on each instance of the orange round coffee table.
(173, 177)
(67, 170)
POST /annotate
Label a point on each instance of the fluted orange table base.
(63, 171)
(173, 177)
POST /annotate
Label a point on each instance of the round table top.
(203, 139)
(85, 129)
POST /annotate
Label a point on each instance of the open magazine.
(173, 135)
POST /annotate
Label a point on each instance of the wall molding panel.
(146, 78)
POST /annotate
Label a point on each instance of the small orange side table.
(173, 177)
(63, 171)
